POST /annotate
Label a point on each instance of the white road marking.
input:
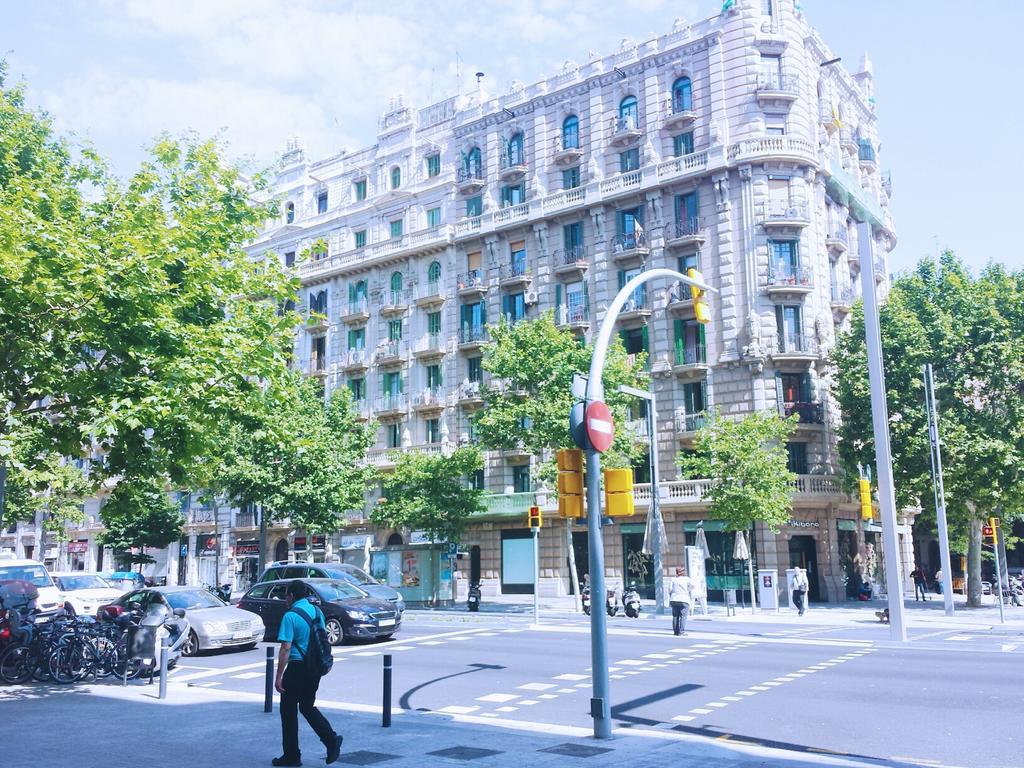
(657, 656)
(489, 714)
(716, 704)
(456, 710)
(703, 645)
(702, 711)
(536, 687)
(632, 663)
(617, 677)
(684, 718)
(498, 698)
(582, 685)
(771, 683)
(566, 690)
(432, 642)
(569, 676)
(400, 648)
(506, 709)
(731, 698)
(547, 696)
(527, 702)
(369, 653)
(248, 675)
(744, 693)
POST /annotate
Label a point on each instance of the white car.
(50, 599)
(86, 591)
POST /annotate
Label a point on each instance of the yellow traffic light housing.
(866, 510)
(993, 532)
(535, 518)
(618, 492)
(570, 482)
(701, 310)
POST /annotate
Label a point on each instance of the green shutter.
(622, 278)
(680, 340)
(558, 295)
(701, 338)
(805, 388)
(644, 341)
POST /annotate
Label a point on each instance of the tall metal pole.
(937, 490)
(659, 566)
(536, 572)
(999, 574)
(880, 423)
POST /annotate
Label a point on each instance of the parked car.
(50, 600)
(215, 624)
(85, 591)
(126, 581)
(341, 571)
(349, 612)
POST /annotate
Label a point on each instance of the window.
(289, 259)
(682, 95)
(434, 272)
(473, 164)
(474, 206)
(434, 323)
(788, 322)
(513, 307)
(689, 342)
(571, 132)
(784, 259)
(694, 397)
(289, 212)
(517, 257)
(433, 166)
(356, 339)
(473, 316)
(689, 261)
(634, 340)
(396, 177)
(796, 458)
(391, 384)
(629, 160)
(396, 281)
(514, 194)
(318, 302)
(475, 369)
(395, 330)
(766, 7)
(356, 294)
(476, 480)
(321, 202)
(434, 380)
(359, 189)
(629, 113)
(433, 430)
(775, 125)
(360, 238)
(575, 309)
(771, 70)
(796, 387)
(393, 435)
(357, 387)
(572, 237)
(571, 178)
(682, 144)
(521, 478)
(318, 353)
(396, 229)
(638, 299)
(514, 150)
(687, 213)
(433, 217)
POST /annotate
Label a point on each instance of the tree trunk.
(574, 578)
(3, 492)
(974, 563)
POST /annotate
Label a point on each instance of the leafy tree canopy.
(139, 514)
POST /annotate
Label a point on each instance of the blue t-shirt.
(295, 630)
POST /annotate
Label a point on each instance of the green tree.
(431, 493)
(972, 331)
(746, 460)
(139, 513)
(46, 485)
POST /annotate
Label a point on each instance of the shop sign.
(356, 542)
(320, 541)
(247, 548)
(206, 545)
(803, 524)
(299, 543)
(419, 537)
(78, 547)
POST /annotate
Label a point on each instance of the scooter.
(585, 597)
(473, 601)
(223, 591)
(631, 601)
(612, 603)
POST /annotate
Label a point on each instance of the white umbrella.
(648, 548)
(366, 554)
(740, 551)
(702, 541)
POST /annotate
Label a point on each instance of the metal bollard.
(387, 691)
(165, 651)
(268, 695)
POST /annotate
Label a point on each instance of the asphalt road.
(944, 700)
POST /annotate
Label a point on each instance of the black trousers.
(300, 696)
(799, 596)
(679, 613)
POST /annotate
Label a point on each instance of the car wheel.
(335, 632)
(191, 646)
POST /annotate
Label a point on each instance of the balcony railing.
(789, 276)
(317, 364)
(514, 271)
(391, 350)
(513, 162)
(431, 397)
(638, 301)
(473, 279)
(358, 307)
(509, 503)
(574, 256)
(678, 105)
(690, 228)
(787, 85)
(574, 314)
(842, 295)
(473, 334)
(783, 214)
(809, 413)
(469, 390)
(800, 344)
(695, 354)
(430, 343)
(469, 175)
(395, 298)
(356, 357)
(691, 422)
(245, 520)
(391, 402)
(631, 241)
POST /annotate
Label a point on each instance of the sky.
(119, 72)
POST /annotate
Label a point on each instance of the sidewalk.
(96, 726)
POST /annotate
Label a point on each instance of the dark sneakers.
(288, 761)
(335, 750)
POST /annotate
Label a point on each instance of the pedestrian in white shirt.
(680, 596)
(800, 589)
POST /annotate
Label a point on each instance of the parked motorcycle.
(585, 596)
(223, 591)
(631, 601)
(473, 601)
(612, 603)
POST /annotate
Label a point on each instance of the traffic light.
(570, 482)
(618, 492)
(536, 521)
(701, 310)
(991, 531)
(866, 510)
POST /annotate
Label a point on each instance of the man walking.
(680, 597)
(296, 683)
(920, 584)
(800, 589)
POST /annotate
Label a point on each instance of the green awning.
(633, 528)
(846, 525)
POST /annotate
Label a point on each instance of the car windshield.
(73, 583)
(338, 590)
(351, 574)
(193, 599)
(34, 574)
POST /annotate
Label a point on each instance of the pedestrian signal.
(866, 510)
(536, 521)
(570, 482)
(618, 492)
(701, 310)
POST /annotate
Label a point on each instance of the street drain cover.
(364, 757)
(465, 753)
(577, 750)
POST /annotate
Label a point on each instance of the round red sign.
(600, 426)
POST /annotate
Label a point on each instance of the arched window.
(289, 213)
(361, 289)
(434, 272)
(396, 281)
(571, 132)
(395, 539)
(515, 149)
(629, 112)
(396, 177)
(474, 164)
(682, 95)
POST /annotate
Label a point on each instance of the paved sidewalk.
(98, 726)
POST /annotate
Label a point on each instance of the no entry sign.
(600, 427)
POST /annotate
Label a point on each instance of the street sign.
(453, 549)
(576, 428)
(600, 426)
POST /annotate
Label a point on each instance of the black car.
(340, 571)
(348, 610)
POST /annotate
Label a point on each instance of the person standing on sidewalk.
(296, 683)
(920, 584)
(938, 581)
(800, 589)
(680, 596)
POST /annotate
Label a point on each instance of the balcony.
(775, 148)
(679, 298)
(318, 366)
(356, 360)
(470, 395)
(678, 114)
(515, 274)
(387, 458)
(691, 361)
(625, 130)
(866, 156)
(361, 409)
(575, 317)
(687, 424)
(637, 306)
(772, 89)
(794, 348)
(620, 183)
(517, 451)
(430, 399)
(848, 140)
(842, 299)
(567, 155)
(837, 242)
(508, 504)
(390, 353)
(429, 294)
(512, 166)
(473, 337)
(430, 345)
(688, 233)
(567, 198)
(789, 282)
(630, 246)
(316, 322)
(774, 216)
(358, 312)
(472, 283)
(570, 261)
(469, 180)
(390, 406)
(246, 520)
(639, 429)
(394, 302)
(509, 214)
(812, 414)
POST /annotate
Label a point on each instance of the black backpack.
(317, 656)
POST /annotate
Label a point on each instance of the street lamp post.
(937, 489)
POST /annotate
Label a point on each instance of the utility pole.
(937, 489)
(880, 423)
